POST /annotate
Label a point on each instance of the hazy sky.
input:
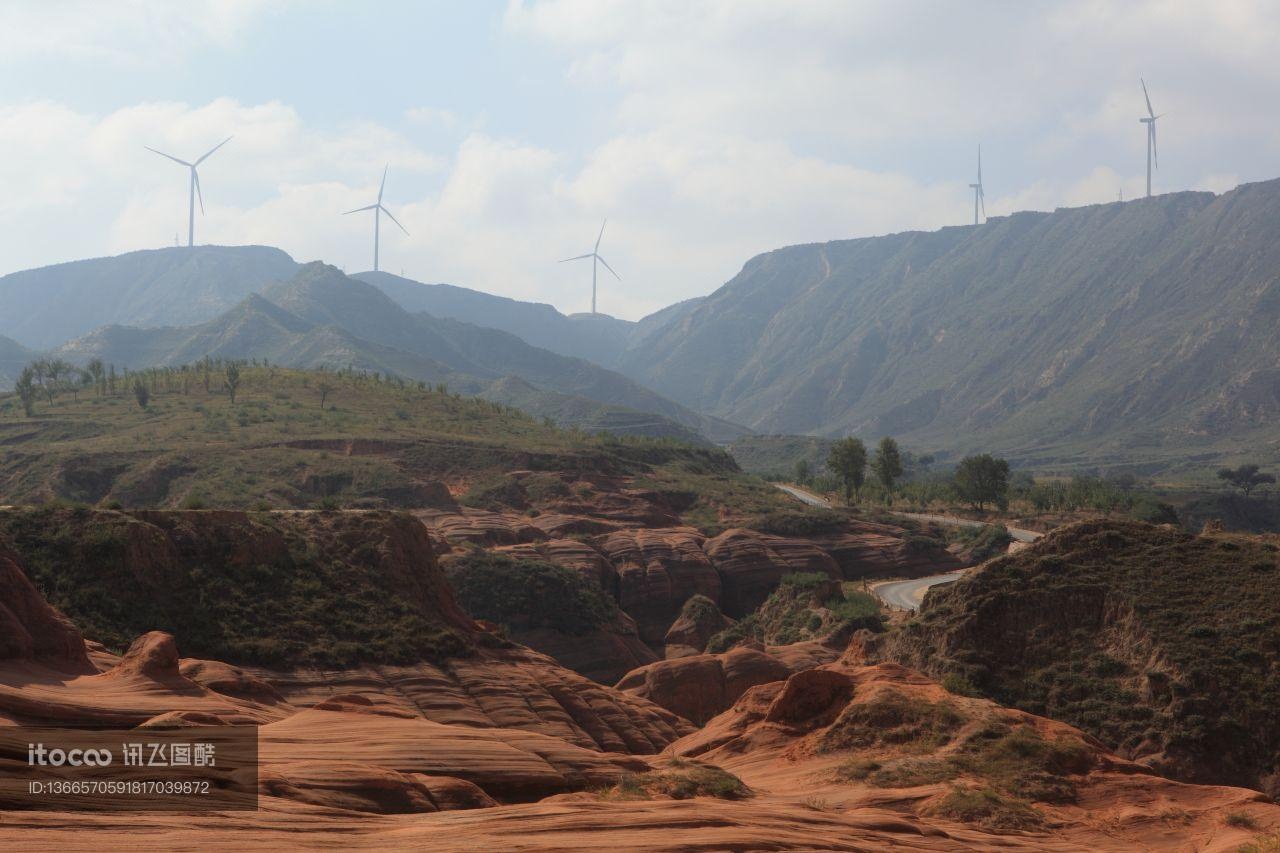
(706, 131)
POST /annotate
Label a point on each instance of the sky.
(705, 132)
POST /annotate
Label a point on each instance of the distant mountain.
(1132, 332)
(595, 337)
(13, 357)
(321, 317)
(43, 307)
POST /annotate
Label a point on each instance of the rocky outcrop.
(698, 687)
(29, 628)
(750, 565)
(508, 689)
(652, 572)
(368, 788)
(657, 571)
(700, 620)
(153, 655)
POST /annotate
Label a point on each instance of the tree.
(803, 472)
(980, 480)
(325, 389)
(1246, 478)
(848, 459)
(887, 466)
(141, 393)
(96, 373)
(26, 390)
(233, 380)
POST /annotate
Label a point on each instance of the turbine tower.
(195, 186)
(594, 255)
(378, 210)
(1150, 122)
(979, 197)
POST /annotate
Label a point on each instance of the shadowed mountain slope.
(1142, 329)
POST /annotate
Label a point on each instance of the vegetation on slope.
(274, 589)
(805, 606)
(1158, 642)
(523, 594)
(679, 779)
(296, 439)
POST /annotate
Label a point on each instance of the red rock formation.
(698, 622)
(750, 565)
(29, 628)
(700, 687)
(658, 571)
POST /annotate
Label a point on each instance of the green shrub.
(988, 809)
(799, 522)
(529, 593)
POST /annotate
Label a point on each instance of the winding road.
(907, 594)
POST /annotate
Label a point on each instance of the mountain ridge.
(1102, 332)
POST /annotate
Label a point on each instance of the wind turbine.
(1150, 122)
(979, 197)
(378, 210)
(195, 186)
(594, 255)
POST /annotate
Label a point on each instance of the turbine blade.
(1155, 152)
(393, 219)
(199, 194)
(358, 209)
(609, 268)
(170, 156)
(383, 185)
(1150, 111)
(601, 235)
(578, 258)
(982, 200)
(211, 150)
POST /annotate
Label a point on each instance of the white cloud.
(128, 32)
(720, 129)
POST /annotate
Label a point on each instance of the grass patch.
(891, 718)
(1014, 762)
(988, 809)
(680, 780)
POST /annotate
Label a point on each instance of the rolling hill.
(322, 318)
(1138, 332)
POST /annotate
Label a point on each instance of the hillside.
(576, 412)
(1138, 332)
(372, 444)
(178, 286)
(1161, 644)
(322, 318)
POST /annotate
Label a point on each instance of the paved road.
(907, 595)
